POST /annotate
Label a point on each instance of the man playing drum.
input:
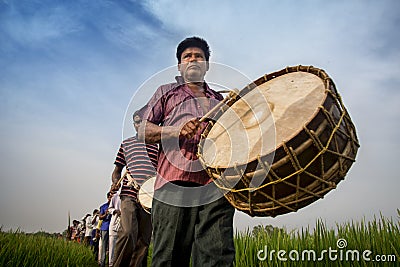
(183, 224)
(134, 234)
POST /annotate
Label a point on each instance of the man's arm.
(94, 219)
(152, 133)
(116, 175)
(113, 209)
(102, 216)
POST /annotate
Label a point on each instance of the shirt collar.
(180, 81)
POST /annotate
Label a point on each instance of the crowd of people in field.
(88, 230)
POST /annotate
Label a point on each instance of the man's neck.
(197, 87)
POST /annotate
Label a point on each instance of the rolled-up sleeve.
(155, 111)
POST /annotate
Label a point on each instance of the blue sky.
(69, 69)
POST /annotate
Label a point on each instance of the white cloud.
(43, 26)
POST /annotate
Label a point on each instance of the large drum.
(282, 143)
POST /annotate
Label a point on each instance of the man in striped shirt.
(135, 229)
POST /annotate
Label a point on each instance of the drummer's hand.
(115, 187)
(190, 128)
(118, 212)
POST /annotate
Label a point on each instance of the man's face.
(193, 65)
(136, 122)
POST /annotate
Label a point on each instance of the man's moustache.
(193, 65)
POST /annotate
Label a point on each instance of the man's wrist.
(170, 132)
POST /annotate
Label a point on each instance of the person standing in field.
(115, 210)
(88, 229)
(134, 234)
(95, 236)
(105, 217)
(184, 224)
(74, 231)
(82, 229)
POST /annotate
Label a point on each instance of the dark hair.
(140, 112)
(193, 42)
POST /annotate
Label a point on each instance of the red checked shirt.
(173, 105)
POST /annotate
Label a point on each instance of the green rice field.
(374, 243)
(27, 250)
(362, 243)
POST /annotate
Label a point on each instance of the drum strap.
(132, 182)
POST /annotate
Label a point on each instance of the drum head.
(263, 119)
(146, 192)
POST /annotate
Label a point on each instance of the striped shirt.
(173, 105)
(140, 161)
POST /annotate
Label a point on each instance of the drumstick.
(231, 95)
(122, 177)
